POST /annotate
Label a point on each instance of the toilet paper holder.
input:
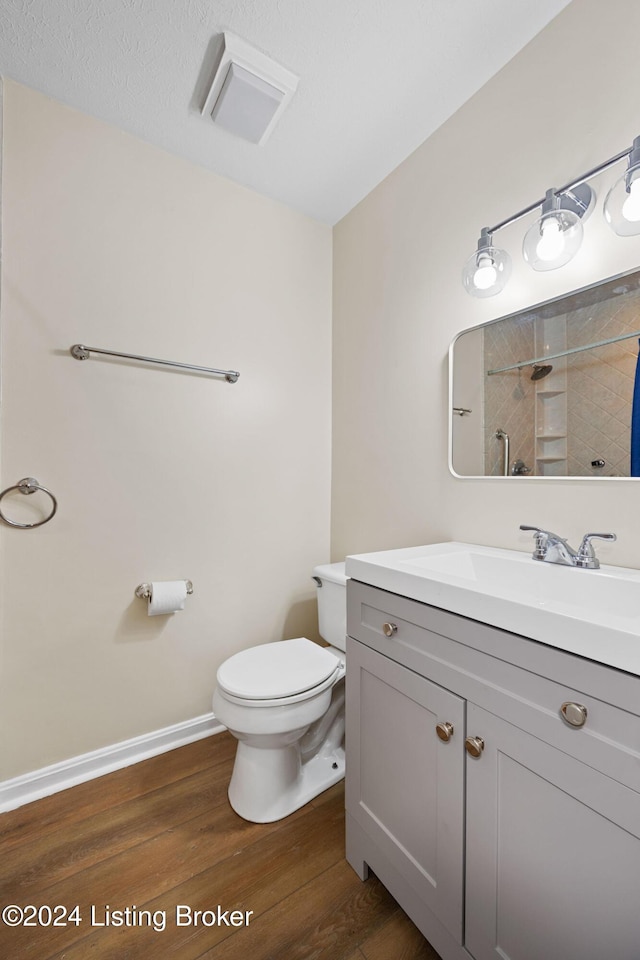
(143, 590)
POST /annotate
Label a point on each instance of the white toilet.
(284, 702)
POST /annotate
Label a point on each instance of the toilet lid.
(273, 670)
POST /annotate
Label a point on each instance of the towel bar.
(80, 352)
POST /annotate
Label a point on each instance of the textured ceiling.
(377, 77)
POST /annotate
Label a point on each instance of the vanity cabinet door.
(405, 784)
(553, 852)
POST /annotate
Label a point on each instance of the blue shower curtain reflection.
(635, 424)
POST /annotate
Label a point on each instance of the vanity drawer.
(519, 680)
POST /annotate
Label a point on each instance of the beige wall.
(567, 102)
(159, 474)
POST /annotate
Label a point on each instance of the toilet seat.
(282, 672)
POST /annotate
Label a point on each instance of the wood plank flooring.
(152, 844)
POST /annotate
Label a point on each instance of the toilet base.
(269, 784)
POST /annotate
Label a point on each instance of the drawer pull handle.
(474, 746)
(389, 629)
(444, 731)
(574, 713)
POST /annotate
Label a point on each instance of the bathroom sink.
(594, 613)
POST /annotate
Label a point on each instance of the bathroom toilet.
(284, 703)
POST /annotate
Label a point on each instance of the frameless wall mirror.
(549, 391)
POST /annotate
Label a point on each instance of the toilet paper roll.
(167, 596)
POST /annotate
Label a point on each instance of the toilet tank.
(332, 603)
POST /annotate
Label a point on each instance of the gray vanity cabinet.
(549, 811)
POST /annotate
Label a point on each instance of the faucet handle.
(548, 534)
(586, 554)
(542, 538)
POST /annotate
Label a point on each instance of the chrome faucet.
(554, 549)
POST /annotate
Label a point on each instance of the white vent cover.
(249, 91)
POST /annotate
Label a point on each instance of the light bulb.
(486, 274)
(551, 243)
(631, 206)
(555, 237)
(622, 203)
(487, 270)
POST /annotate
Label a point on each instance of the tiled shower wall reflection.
(600, 387)
(509, 397)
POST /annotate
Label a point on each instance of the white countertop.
(592, 613)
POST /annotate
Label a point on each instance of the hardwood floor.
(152, 844)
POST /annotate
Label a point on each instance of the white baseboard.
(59, 776)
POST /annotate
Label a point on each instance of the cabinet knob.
(574, 713)
(389, 629)
(444, 731)
(474, 746)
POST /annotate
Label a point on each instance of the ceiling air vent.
(249, 91)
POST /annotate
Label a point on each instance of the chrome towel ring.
(29, 485)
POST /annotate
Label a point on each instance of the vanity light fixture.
(555, 237)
